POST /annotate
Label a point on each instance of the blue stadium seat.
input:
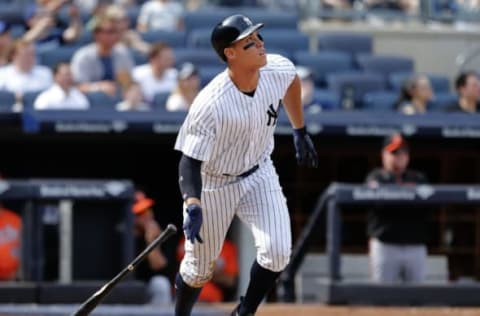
(100, 100)
(285, 39)
(323, 63)
(203, 57)
(379, 101)
(199, 38)
(384, 65)
(160, 101)
(29, 99)
(173, 38)
(203, 19)
(439, 83)
(353, 86)
(328, 100)
(7, 99)
(56, 55)
(273, 19)
(17, 30)
(442, 101)
(351, 43)
(138, 57)
(207, 73)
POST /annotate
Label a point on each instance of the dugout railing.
(333, 289)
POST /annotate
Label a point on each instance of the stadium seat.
(351, 43)
(203, 19)
(285, 39)
(207, 73)
(379, 101)
(383, 64)
(353, 86)
(17, 30)
(100, 100)
(273, 19)
(199, 57)
(29, 99)
(323, 63)
(199, 38)
(328, 100)
(56, 55)
(7, 99)
(160, 101)
(138, 57)
(442, 101)
(174, 38)
(439, 83)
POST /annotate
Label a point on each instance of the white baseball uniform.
(231, 133)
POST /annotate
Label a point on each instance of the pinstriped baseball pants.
(259, 202)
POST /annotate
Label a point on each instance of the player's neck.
(245, 80)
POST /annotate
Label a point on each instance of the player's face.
(251, 50)
(396, 161)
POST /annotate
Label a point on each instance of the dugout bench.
(95, 239)
(332, 288)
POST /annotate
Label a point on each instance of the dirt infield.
(322, 310)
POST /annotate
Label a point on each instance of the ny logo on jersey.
(272, 114)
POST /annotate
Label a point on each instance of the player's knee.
(276, 260)
(196, 277)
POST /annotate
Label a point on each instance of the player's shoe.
(237, 308)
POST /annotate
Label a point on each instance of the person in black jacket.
(397, 235)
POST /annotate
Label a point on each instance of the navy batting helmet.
(231, 30)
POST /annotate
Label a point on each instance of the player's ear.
(229, 52)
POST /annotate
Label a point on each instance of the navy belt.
(245, 174)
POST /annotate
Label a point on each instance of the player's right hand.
(192, 223)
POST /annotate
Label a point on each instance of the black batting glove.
(305, 151)
(193, 222)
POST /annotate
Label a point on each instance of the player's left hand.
(305, 151)
(193, 222)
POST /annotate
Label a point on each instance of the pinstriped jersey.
(230, 131)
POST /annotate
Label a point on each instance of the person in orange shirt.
(10, 243)
(223, 284)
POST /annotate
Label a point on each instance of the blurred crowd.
(108, 53)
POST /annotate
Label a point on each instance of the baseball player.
(226, 169)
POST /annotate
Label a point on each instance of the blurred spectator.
(308, 89)
(224, 282)
(97, 12)
(146, 229)
(62, 95)
(158, 75)
(162, 15)
(6, 42)
(415, 94)
(43, 27)
(129, 37)
(10, 243)
(23, 74)
(337, 4)
(187, 89)
(101, 65)
(133, 100)
(407, 6)
(398, 235)
(467, 85)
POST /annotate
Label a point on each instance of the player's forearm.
(293, 104)
(190, 180)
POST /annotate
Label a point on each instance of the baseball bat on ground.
(92, 302)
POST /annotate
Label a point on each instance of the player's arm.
(292, 102)
(190, 182)
(305, 151)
